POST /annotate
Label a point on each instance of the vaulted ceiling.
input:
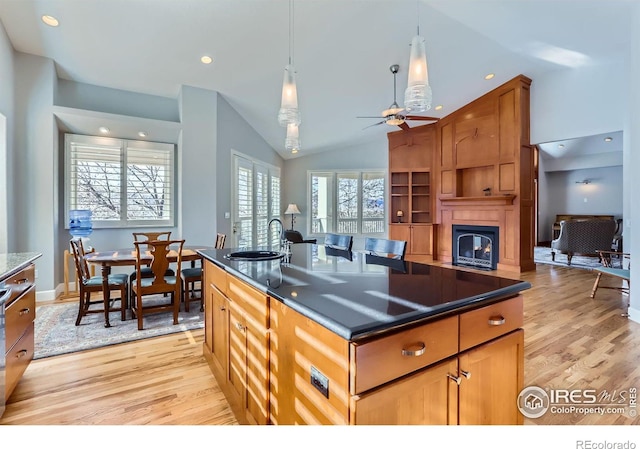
(342, 50)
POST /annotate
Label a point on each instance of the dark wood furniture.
(295, 237)
(143, 237)
(93, 284)
(193, 275)
(160, 283)
(127, 257)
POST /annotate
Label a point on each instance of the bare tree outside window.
(121, 182)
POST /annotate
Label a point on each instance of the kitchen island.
(17, 314)
(324, 336)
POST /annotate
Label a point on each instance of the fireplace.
(475, 246)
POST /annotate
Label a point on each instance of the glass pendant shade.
(289, 113)
(417, 97)
(292, 142)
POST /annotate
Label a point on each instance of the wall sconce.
(399, 214)
(584, 181)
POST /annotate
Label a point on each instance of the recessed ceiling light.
(489, 76)
(561, 145)
(294, 151)
(142, 134)
(206, 60)
(103, 129)
(437, 108)
(50, 20)
(608, 139)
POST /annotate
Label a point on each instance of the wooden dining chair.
(616, 265)
(338, 241)
(193, 275)
(93, 284)
(159, 286)
(143, 237)
(395, 249)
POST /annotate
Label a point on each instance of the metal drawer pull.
(415, 352)
(22, 281)
(21, 353)
(454, 378)
(466, 374)
(496, 321)
(222, 308)
(24, 311)
(240, 327)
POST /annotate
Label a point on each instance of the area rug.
(542, 254)
(56, 332)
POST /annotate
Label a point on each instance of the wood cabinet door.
(237, 353)
(400, 232)
(421, 239)
(218, 331)
(256, 399)
(494, 377)
(428, 397)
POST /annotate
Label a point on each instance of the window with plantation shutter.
(256, 200)
(123, 182)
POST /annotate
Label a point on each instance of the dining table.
(127, 257)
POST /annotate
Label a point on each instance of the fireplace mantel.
(494, 200)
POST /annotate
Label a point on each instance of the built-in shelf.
(493, 200)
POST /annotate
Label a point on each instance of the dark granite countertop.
(356, 295)
(11, 263)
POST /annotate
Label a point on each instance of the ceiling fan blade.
(375, 124)
(369, 116)
(420, 117)
(404, 126)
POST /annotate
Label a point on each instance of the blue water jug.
(80, 223)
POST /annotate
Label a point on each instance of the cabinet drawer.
(254, 302)
(21, 281)
(216, 276)
(388, 358)
(487, 323)
(19, 315)
(18, 358)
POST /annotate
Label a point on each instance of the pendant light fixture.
(289, 113)
(417, 96)
(292, 142)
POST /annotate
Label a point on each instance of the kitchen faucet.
(282, 239)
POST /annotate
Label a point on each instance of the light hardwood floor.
(571, 342)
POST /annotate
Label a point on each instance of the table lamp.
(399, 214)
(292, 209)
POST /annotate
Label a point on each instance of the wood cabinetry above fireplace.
(481, 166)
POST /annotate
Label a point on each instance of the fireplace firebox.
(476, 246)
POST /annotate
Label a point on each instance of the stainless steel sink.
(254, 255)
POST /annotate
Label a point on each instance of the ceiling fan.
(393, 115)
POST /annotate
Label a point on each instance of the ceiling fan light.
(395, 121)
(417, 96)
(392, 110)
(289, 113)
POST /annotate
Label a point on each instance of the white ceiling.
(342, 51)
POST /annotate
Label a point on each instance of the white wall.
(234, 133)
(580, 102)
(6, 136)
(35, 165)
